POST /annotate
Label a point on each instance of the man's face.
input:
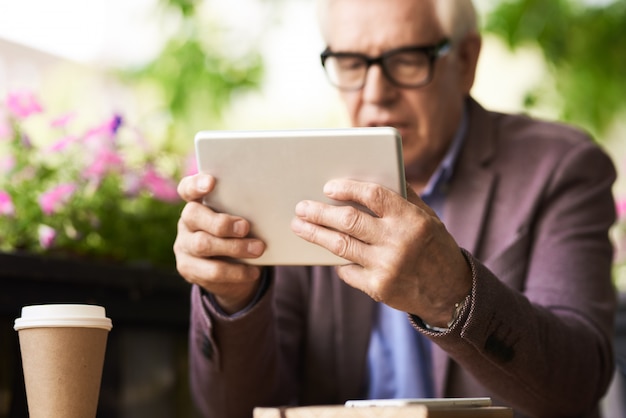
(427, 117)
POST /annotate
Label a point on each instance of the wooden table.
(413, 411)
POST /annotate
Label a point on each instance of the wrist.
(457, 311)
(230, 307)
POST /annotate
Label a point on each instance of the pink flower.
(62, 120)
(104, 162)
(52, 200)
(6, 204)
(161, 188)
(23, 104)
(62, 144)
(620, 207)
(46, 236)
(131, 184)
(107, 129)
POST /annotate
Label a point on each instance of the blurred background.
(168, 68)
(188, 64)
(172, 67)
(254, 63)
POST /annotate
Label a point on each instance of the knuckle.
(376, 289)
(187, 212)
(201, 244)
(309, 232)
(213, 271)
(180, 225)
(197, 217)
(182, 229)
(181, 189)
(221, 225)
(221, 273)
(190, 212)
(341, 245)
(373, 193)
(350, 220)
(237, 247)
(185, 268)
(177, 247)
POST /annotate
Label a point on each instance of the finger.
(346, 219)
(334, 241)
(194, 188)
(373, 196)
(198, 217)
(215, 274)
(201, 244)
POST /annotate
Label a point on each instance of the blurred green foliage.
(196, 73)
(584, 44)
(186, 7)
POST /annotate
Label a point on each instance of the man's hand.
(403, 256)
(206, 244)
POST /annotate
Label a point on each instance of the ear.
(468, 52)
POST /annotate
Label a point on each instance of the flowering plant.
(103, 192)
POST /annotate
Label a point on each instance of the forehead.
(374, 26)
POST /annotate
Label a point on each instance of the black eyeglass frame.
(433, 52)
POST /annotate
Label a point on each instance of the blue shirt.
(398, 358)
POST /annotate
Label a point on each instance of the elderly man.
(494, 282)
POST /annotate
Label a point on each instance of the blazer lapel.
(467, 205)
(471, 187)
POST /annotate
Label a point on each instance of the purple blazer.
(531, 202)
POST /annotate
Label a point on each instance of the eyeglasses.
(409, 67)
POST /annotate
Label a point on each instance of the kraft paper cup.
(62, 349)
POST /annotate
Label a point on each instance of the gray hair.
(457, 17)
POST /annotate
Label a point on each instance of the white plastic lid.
(63, 315)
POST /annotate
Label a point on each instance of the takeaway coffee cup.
(62, 349)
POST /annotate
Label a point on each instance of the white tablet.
(262, 175)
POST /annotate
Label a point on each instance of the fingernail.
(330, 188)
(301, 208)
(239, 228)
(203, 184)
(256, 248)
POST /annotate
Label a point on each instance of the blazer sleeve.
(233, 361)
(538, 329)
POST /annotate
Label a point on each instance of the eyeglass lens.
(404, 68)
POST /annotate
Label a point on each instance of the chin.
(412, 153)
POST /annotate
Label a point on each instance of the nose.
(377, 89)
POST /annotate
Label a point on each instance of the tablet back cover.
(262, 175)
